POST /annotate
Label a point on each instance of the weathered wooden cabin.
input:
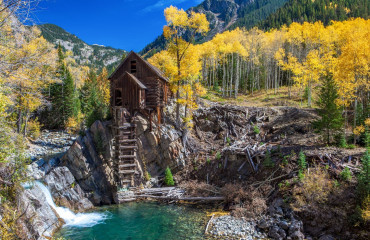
(136, 87)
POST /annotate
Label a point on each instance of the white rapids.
(70, 218)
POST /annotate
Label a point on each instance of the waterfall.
(69, 217)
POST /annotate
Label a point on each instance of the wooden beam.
(150, 121)
(159, 115)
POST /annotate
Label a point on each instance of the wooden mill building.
(136, 87)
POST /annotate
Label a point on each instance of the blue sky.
(124, 24)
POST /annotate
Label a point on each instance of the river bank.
(222, 159)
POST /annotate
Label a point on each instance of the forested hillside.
(223, 15)
(93, 56)
(318, 10)
(267, 14)
(253, 13)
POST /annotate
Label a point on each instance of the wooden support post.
(150, 121)
(159, 115)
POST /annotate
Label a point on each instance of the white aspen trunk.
(231, 74)
(237, 76)
(223, 77)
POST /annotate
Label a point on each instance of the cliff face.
(90, 161)
(83, 177)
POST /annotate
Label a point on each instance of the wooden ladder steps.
(127, 165)
(126, 156)
(125, 126)
(127, 147)
(126, 171)
(126, 133)
(126, 181)
(128, 141)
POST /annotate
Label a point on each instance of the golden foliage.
(359, 130)
(104, 86)
(73, 125)
(181, 60)
(306, 50)
(315, 187)
(33, 129)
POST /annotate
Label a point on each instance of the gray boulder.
(90, 161)
(40, 219)
(66, 191)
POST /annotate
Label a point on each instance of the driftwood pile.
(235, 126)
(171, 194)
(337, 160)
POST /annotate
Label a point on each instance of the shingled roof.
(153, 68)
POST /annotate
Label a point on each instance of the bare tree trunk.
(224, 78)
(231, 74)
(237, 77)
(355, 119)
(26, 123)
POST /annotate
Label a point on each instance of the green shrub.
(336, 184)
(168, 179)
(363, 178)
(218, 155)
(34, 128)
(346, 174)
(147, 176)
(208, 161)
(341, 141)
(285, 160)
(351, 146)
(302, 164)
(300, 175)
(256, 129)
(268, 161)
(228, 140)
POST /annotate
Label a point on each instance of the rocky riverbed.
(278, 223)
(50, 144)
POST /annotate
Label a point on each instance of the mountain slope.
(94, 56)
(317, 10)
(223, 15)
(266, 14)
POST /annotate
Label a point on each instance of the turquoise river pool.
(141, 221)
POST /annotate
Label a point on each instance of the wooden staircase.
(125, 148)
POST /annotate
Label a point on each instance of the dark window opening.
(118, 97)
(133, 66)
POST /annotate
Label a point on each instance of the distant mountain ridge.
(266, 14)
(225, 15)
(95, 56)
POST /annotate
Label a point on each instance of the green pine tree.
(331, 115)
(302, 164)
(92, 101)
(62, 95)
(168, 179)
(364, 177)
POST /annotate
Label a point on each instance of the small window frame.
(133, 66)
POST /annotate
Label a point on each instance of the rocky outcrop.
(159, 148)
(65, 191)
(39, 220)
(90, 161)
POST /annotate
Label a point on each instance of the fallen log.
(183, 198)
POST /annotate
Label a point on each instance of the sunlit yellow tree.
(180, 49)
(29, 63)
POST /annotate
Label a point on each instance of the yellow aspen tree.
(104, 86)
(178, 22)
